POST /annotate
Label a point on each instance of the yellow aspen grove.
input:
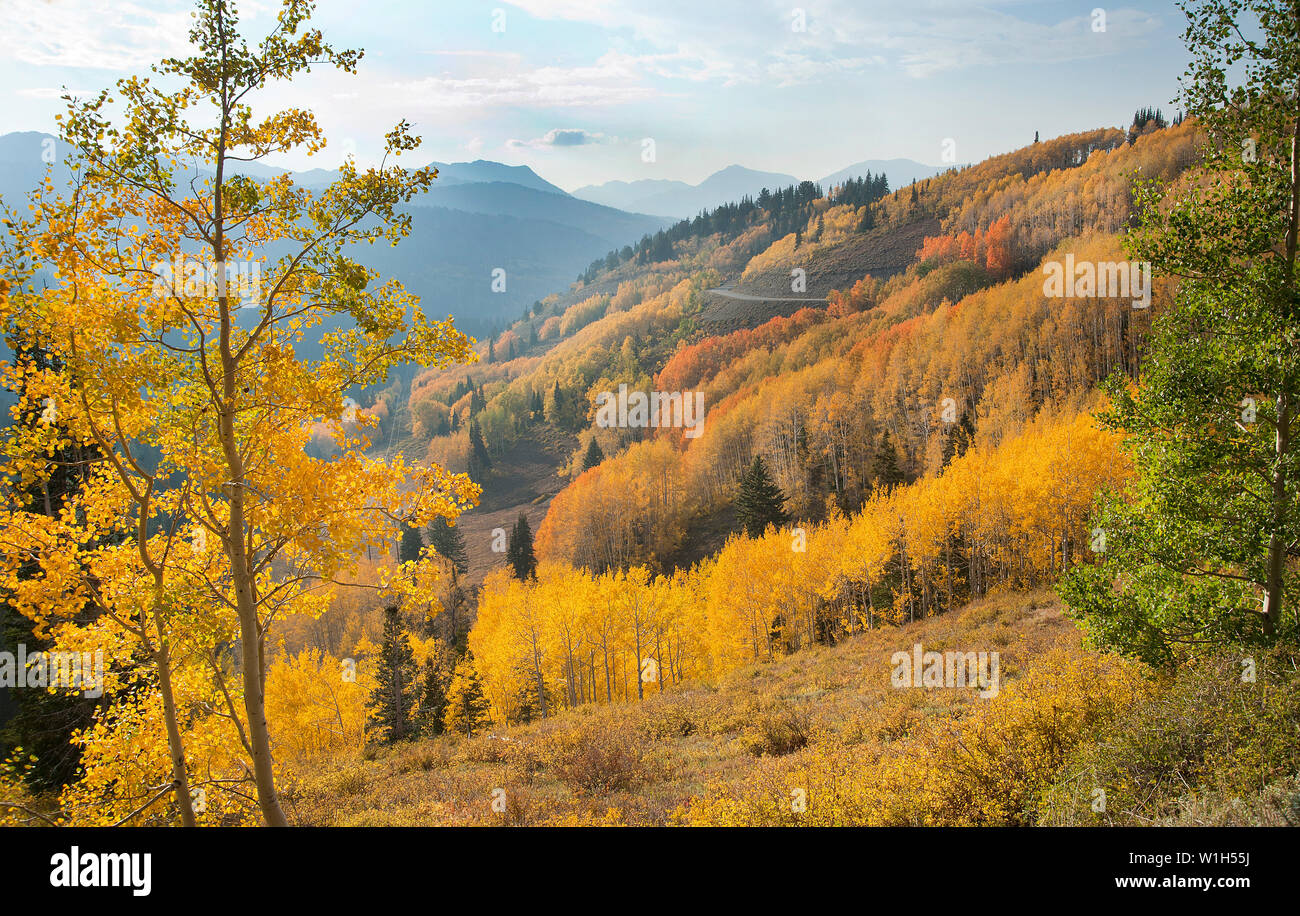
(203, 323)
(1015, 513)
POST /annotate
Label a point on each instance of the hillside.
(645, 763)
(389, 495)
(682, 200)
(817, 738)
(727, 293)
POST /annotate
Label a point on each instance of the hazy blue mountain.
(682, 200)
(507, 199)
(450, 256)
(476, 216)
(628, 195)
(483, 170)
(23, 164)
(677, 198)
(480, 171)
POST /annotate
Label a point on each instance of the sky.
(575, 88)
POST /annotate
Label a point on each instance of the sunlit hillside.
(405, 487)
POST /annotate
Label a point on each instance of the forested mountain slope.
(817, 393)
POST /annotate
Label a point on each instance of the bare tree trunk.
(1276, 544)
(1277, 548)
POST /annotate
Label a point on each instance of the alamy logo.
(1098, 280)
(104, 869)
(657, 409)
(946, 669)
(190, 279)
(77, 670)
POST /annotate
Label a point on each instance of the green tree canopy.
(1201, 547)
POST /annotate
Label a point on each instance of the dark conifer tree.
(432, 711)
(959, 439)
(886, 471)
(392, 703)
(408, 550)
(519, 549)
(446, 538)
(760, 501)
(479, 461)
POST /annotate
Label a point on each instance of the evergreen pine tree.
(886, 471)
(760, 501)
(392, 703)
(557, 406)
(479, 461)
(446, 538)
(408, 551)
(958, 440)
(594, 455)
(467, 708)
(519, 549)
(430, 716)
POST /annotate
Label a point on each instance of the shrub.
(350, 782)
(989, 766)
(667, 719)
(1205, 728)
(426, 756)
(485, 749)
(518, 809)
(592, 760)
(776, 732)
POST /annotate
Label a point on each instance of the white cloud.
(90, 34)
(559, 137)
(739, 41)
(490, 55)
(613, 79)
(790, 69)
(53, 92)
(993, 38)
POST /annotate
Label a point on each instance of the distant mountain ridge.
(481, 215)
(664, 197)
(476, 217)
(679, 199)
(899, 172)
